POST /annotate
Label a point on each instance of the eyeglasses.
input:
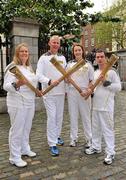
(100, 57)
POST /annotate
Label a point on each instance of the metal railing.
(4, 60)
(122, 70)
(65, 49)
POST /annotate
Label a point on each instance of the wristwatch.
(49, 83)
(15, 86)
(106, 83)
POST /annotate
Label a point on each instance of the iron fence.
(4, 60)
(65, 49)
(122, 70)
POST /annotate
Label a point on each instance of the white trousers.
(78, 105)
(103, 124)
(21, 123)
(54, 107)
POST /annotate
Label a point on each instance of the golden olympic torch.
(109, 64)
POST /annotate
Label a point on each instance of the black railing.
(4, 60)
(65, 49)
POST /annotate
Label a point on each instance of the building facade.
(89, 40)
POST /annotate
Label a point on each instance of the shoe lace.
(54, 147)
(110, 157)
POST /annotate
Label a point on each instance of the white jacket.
(83, 76)
(24, 96)
(46, 71)
(103, 99)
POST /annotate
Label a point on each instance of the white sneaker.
(73, 143)
(109, 159)
(87, 144)
(30, 154)
(92, 151)
(19, 163)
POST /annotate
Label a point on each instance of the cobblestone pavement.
(72, 164)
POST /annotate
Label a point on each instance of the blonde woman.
(21, 106)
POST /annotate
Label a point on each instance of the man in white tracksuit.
(103, 110)
(54, 99)
(76, 102)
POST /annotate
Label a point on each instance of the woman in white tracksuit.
(76, 101)
(103, 110)
(21, 106)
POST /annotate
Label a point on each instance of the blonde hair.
(55, 37)
(16, 59)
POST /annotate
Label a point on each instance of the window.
(92, 30)
(92, 42)
(86, 32)
(86, 43)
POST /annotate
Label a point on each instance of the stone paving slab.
(72, 164)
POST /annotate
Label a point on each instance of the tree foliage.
(119, 29)
(113, 32)
(55, 16)
(103, 34)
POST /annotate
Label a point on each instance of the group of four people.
(96, 115)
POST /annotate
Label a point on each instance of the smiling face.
(54, 44)
(78, 52)
(23, 55)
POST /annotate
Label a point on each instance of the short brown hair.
(100, 51)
